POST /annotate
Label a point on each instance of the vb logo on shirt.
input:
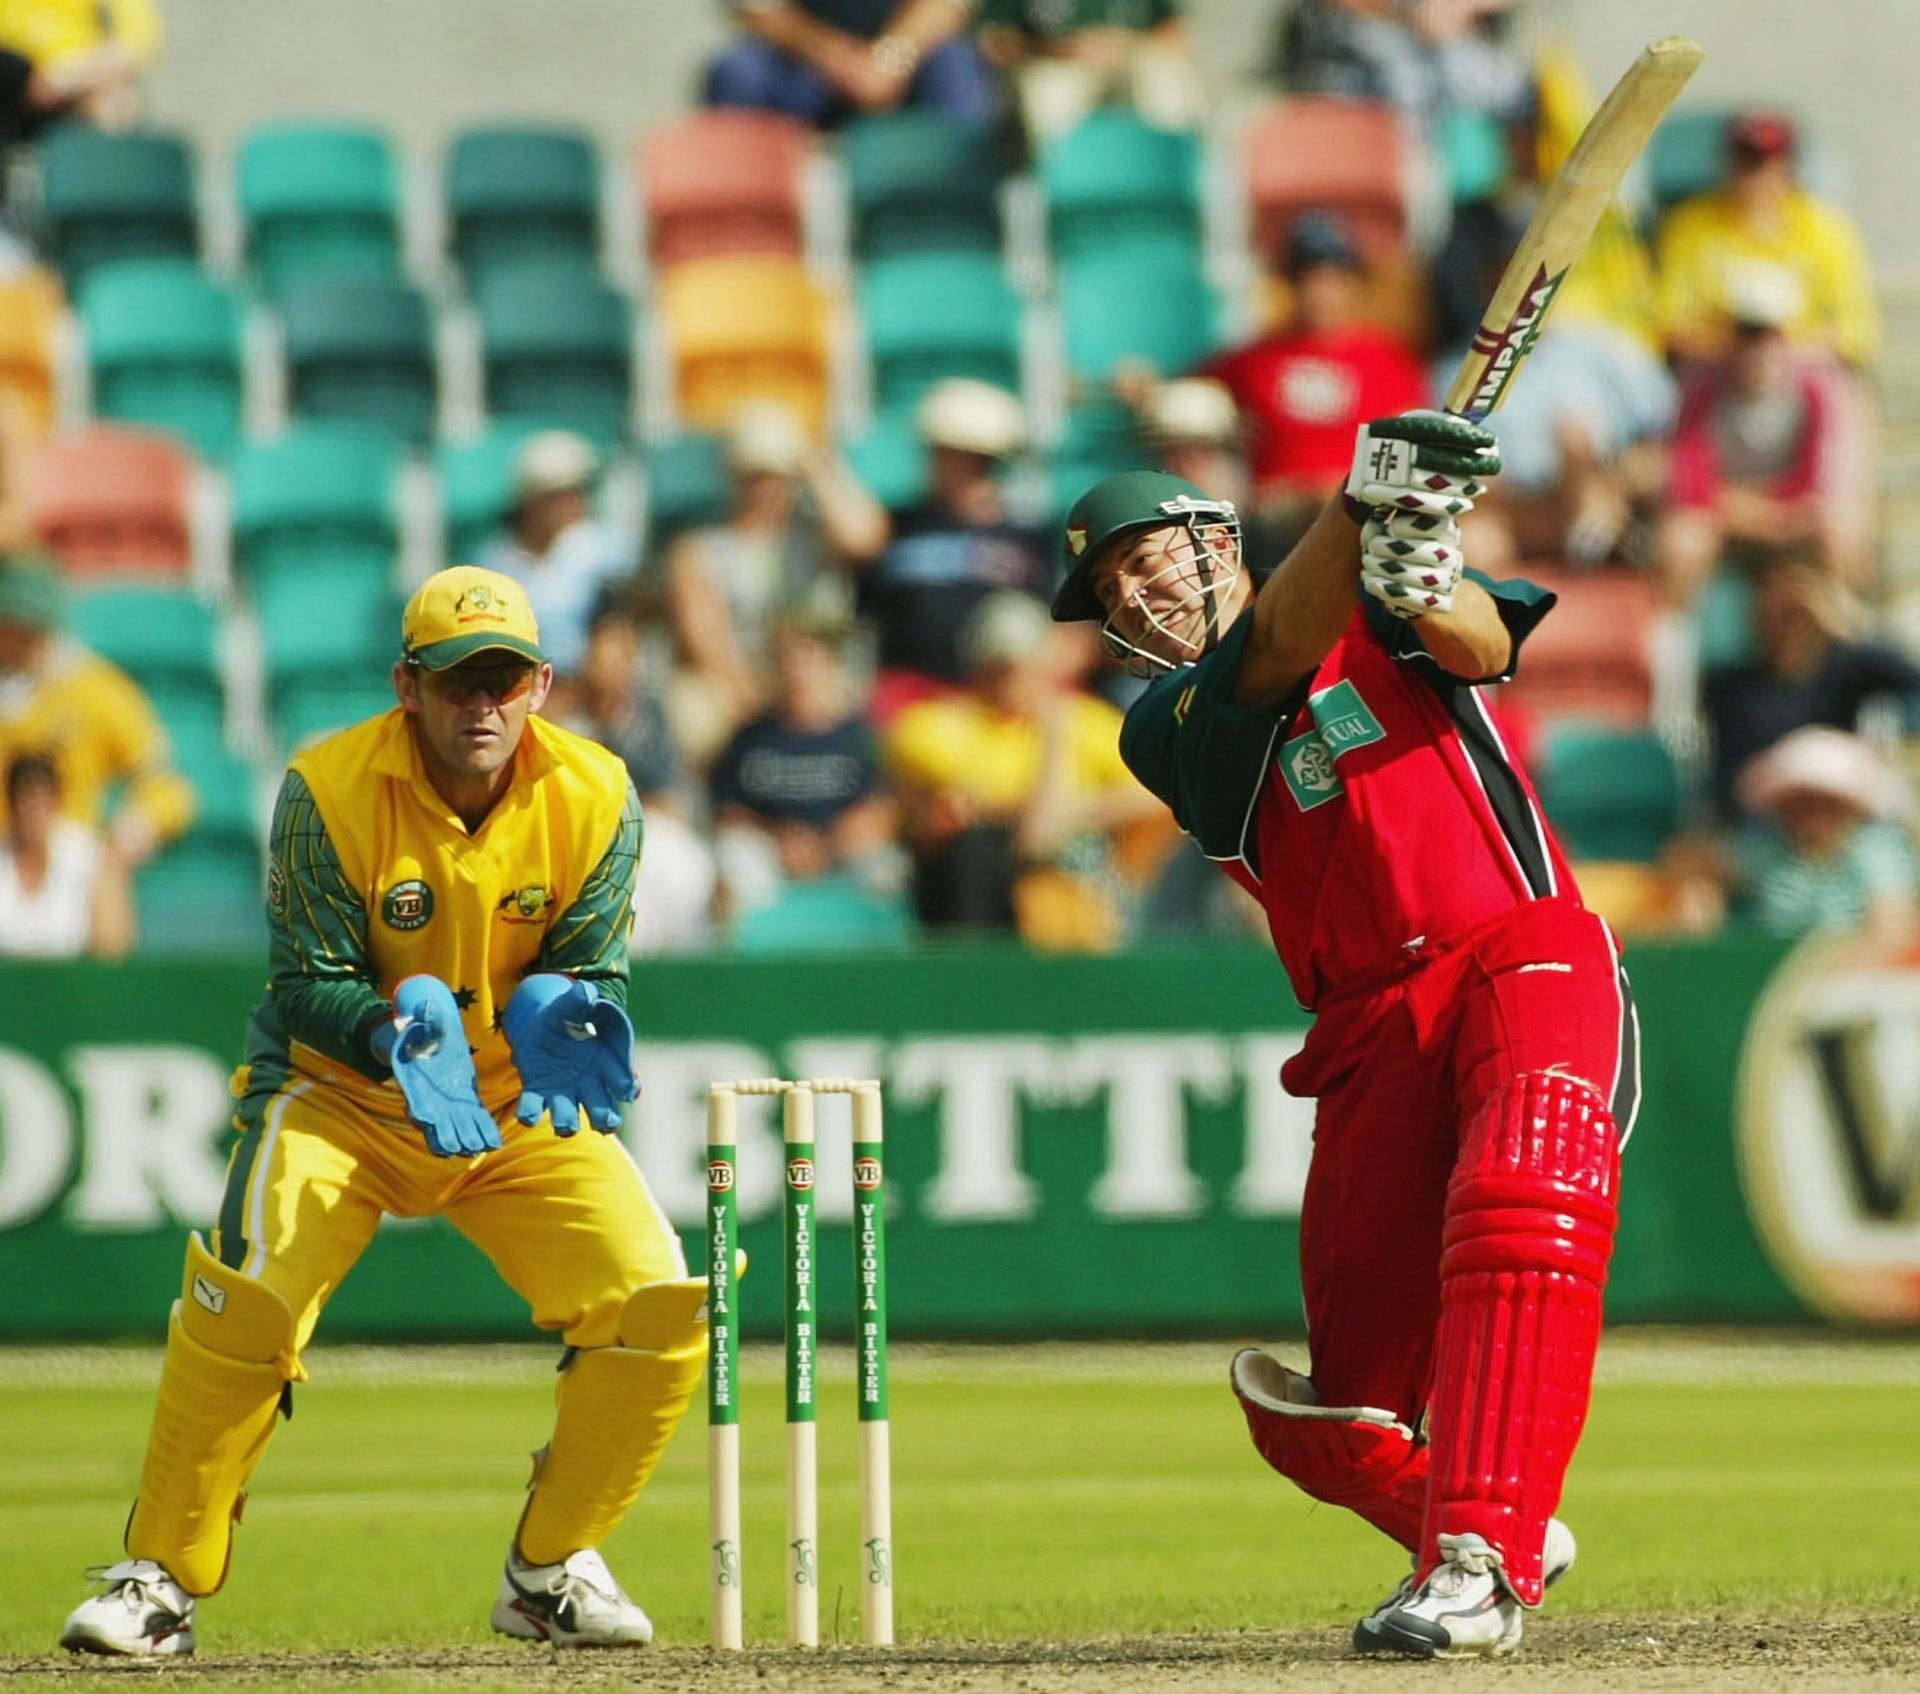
(1341, 722)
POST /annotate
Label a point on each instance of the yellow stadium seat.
(745, 328)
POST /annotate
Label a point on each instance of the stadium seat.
(938, 315)
(1687, 156)
(1472, 149)
(111, 499)
(1101, 438)
(1156, 307)
(1611, 793)
(360, 350)
(310, 707)
(1313, 151)
(519, 194)
(316, 200)
(321, 496)
(920, 183)
(31, 306)
(745, 329)
(687, 486)
(163, 344)
(890, 460)
(719, 183)
(167, 641)
(476, 488)
(1592, 658)
(1117, 183)
(105, 197)
(204, 894)
(557, 348)
(833, 912)
(339, 625)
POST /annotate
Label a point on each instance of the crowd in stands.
(789, 516)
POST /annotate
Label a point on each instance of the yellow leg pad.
(617, 1408)
(229, 1357)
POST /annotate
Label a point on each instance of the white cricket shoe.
(575, 1603)
(1463, 1609)
(141, 1612)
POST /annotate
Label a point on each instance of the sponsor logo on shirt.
(1342, 721)
(407, 905)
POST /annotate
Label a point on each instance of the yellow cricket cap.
(459, 612)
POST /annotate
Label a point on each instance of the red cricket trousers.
(1398, 1072)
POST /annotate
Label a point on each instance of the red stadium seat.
(1590, 657)
(1350, 156)
(113, 500)
(722, 182)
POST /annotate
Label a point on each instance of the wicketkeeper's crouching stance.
(1473, 1054)
(450, 894)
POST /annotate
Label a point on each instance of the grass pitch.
(1041, 1495)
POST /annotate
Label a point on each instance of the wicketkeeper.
(450, 891)
(1323, 736)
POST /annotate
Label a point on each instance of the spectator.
(954, 549)
(1422, 56)
(614, 704)
(795, 511)
(1761, 218)
(1827, 853)
(798, 795)
(1194, 431)
(556, 549)
(1766, 453)
(1066, 59)
(824, 60)
(16, 442)
(1309, 385)
(1014, 790)
(1807, 667)
(88, 716)
(62, 893)
(74, 59)
(1582, 440)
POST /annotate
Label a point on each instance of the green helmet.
(1114, 505)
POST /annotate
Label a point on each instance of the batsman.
(1322, 735)
(449, 892)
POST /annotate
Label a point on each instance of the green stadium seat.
(1117, 184)
(1687, 156)
(204, 893)
(516, 195)
(1610, 793)
(891, 461)
(168, 642)
(317, 200)
(931, 316)
(687, 486)
(163, 344)
(1157, 307)
(557, 348)
(321, 496)
(477, 487)
(1471, 147)
(1725, 619)
(311, 707)
(109, 197)
(341, 623)
(920, 183)
(1101, 437)
(832, 913)
(360, 349)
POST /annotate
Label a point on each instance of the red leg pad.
(1352, 1456)
(1531, 1212)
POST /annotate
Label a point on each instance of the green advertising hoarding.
(1076, 1145)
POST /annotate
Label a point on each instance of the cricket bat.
(1565, 220)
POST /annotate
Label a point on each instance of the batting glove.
(1425, 462)
(570, 1045)
(427, 1048)
(1410, 561)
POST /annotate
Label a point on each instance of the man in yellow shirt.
(1761, 219)
(76, 58)
(85, 714)
(449, 896)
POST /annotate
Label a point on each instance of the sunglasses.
(464, 684)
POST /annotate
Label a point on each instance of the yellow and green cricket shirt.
(372, 878)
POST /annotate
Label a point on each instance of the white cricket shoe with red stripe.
(142, 1612)
(575, 1603)
(1464, 1608)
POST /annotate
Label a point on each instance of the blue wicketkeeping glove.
(427, 1049)
(570, 1045)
